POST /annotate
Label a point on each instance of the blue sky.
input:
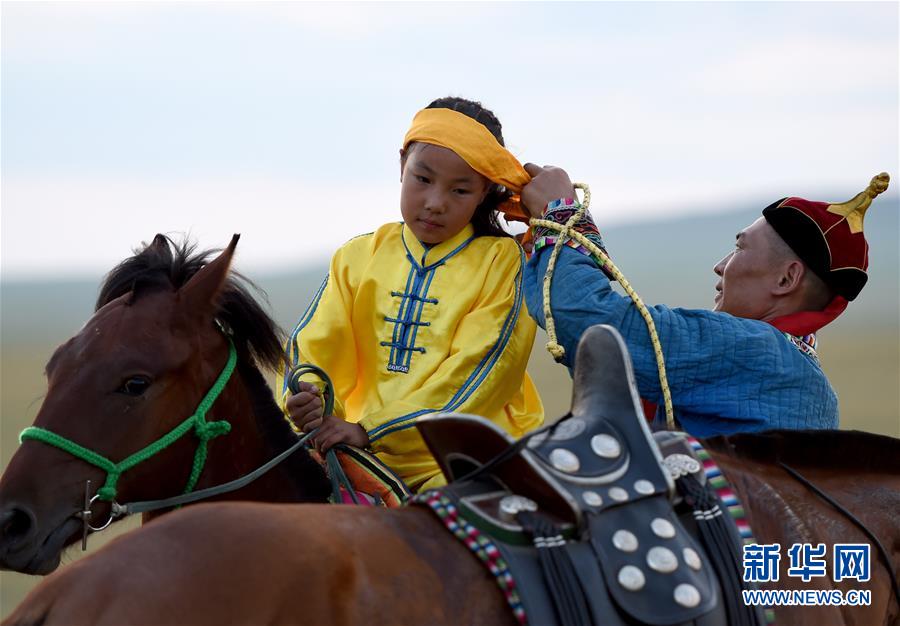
(282, 121)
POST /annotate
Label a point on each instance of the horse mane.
(278, 435)
(848, 450)
(164, 264)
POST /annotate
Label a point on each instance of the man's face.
(748, 274)
(439, 192)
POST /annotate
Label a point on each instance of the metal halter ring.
(116, 510)
(113, 514)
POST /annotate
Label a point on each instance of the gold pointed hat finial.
(855, 209)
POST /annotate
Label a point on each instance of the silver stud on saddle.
(606, 446)
(564, 460)
(631, 578)
(568, 429)
(692, 559)
(592, 498)
(662, 560)
(662, 528)
(679, 465)
(511, 505)
(687, 595)
(625, 540)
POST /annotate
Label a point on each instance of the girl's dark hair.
(485, 220)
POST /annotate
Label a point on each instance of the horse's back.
(273, 564)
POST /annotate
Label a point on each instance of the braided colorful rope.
(479, 544)
(729, 499)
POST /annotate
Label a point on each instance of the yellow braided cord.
(567, 231)
(553, 346)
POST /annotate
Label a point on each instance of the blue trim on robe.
(418, 321)
(403, 339)
(405, 303)
(480, 372)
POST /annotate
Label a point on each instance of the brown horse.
(143, 363)
(135, 371)
(283, 564)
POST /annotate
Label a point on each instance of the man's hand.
(305, 407)
(334, 430)
(548, 183)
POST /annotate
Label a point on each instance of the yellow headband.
(476, 145)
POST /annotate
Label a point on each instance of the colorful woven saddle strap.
(479, 544)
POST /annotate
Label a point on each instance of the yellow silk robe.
(405, 331)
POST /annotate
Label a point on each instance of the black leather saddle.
(594, 490)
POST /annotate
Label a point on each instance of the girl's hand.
(547, 184)
(334, 430)
(305, 407)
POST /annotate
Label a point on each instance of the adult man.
(750, 364)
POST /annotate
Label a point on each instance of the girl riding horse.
(425, 315)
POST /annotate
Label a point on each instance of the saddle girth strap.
(559, 571)
(717, 537)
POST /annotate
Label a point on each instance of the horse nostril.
(15, 524)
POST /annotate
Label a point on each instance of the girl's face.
(439, 192)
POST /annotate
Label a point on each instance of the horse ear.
(199, 294)
(160, 242)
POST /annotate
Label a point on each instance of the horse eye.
(134, 386)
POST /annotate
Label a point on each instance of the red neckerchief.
(807, 322)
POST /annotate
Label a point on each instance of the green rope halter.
(204, 430)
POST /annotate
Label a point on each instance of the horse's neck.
(258, 433)
(759, 487)
(778, 508)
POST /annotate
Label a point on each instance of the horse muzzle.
(25, 549)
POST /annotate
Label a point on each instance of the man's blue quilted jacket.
(726, 374)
